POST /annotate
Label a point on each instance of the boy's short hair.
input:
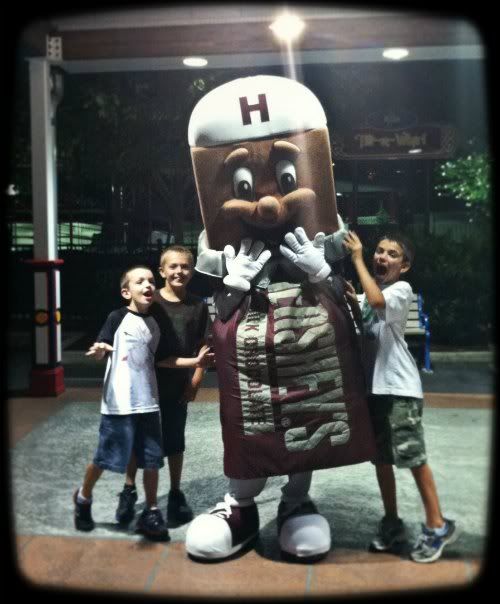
(124, 279)
(404, 243)
(181, 249)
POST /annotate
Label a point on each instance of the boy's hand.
(350, 294)
(189, 394)
(353, 243)
(306, 254)
(242, 268)
(352, 300)
(99, 350)
(205, 357)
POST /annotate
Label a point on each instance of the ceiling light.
(395, 53)
(287, 27)
(195, 62)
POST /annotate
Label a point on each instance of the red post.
(47, 373)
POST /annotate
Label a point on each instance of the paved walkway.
(128, 564)
(51, 553)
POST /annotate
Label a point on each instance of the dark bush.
(456, 282)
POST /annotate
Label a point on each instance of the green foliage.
(456, 282)
(467, 179)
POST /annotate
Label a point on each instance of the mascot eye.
(243, 184)
(286, 176)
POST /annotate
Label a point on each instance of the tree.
(465, 268)
(123, 138)
(468, 179)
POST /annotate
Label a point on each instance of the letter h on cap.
(246, 109)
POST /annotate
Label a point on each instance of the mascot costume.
(292, 396)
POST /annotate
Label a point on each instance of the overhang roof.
(232, 36)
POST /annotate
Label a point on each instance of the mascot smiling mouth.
(272, 216)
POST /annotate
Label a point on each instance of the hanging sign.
(415, 142)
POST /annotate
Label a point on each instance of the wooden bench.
(417, 331)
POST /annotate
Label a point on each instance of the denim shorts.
(399, 434)
(119, 435)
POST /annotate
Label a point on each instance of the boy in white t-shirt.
(395, 394)
(130, 411)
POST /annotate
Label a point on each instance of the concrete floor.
(52, 439)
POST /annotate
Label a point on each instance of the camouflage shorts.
(399, 434)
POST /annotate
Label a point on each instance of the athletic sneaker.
(178, 511)
(125, 511)
(429, 545)
(83, 514)
(151, 525)
(391, 534)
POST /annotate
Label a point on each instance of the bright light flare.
(195, 62)
(287, 27)
(395, 53)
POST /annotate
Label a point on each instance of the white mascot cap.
(252, 108)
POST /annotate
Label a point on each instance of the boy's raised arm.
(374, 296)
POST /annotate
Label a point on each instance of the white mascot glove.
(242, 268)
(307, 255)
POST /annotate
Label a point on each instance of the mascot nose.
(268, 208)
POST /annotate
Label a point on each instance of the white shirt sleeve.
(398, 297)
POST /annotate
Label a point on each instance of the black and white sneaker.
(83, 514)
(178, 511)
(391, 536)
(223, 531)
(125, 511)
(151, 525)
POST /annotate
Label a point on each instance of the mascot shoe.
(223, 531)
(304, 535)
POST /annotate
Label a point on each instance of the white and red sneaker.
(223, 531)
(304, 535)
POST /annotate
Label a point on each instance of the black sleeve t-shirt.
(183, 326)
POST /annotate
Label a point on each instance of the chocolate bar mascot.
(290, 379)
